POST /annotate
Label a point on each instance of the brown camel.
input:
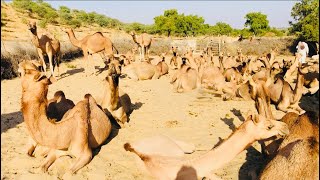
(298, 154)
(82, 128)
(254, 128)
(92, 44)
(114, 100)
(185, 79)
(144, 42)
(162, 66)
(58, 106)
(46, 46)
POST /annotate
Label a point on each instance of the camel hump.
(90, 99)
(98, 33)
(128, 147)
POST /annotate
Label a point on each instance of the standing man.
(303, 49)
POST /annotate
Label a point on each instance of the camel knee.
(48, 161)
(83, 160)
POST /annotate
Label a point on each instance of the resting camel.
(58, 106)
(81, 129)
(46, 46)
(130, 56)
(92, 44)
(298, 154)
(114, 100)
(185, 79)
(254, 128)
(142, 71)
(144, 42)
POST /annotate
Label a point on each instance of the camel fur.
(81, 129)
(254, 128)
(46, 46)
(92, 44)
(298, 154)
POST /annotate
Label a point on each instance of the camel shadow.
(10, 120)
(229, 122)
(136, 105)
(310, 102)
(254, 163)
(238, 114)
(71, 72)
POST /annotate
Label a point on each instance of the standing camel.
(46, 46)
(144, 42)
(92, 44)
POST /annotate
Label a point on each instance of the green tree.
(257, 22)
(306, 15)
(166, 23)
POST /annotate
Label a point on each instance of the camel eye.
(270, 127)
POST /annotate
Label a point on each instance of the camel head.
(27, 65)
(32, 26)
(36, 83)
(114, 69)
(260, 127)
(132, 33)
(59, 95)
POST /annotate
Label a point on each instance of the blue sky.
(231, 12)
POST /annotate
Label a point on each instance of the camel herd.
(290, 144)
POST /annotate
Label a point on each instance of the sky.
(231, 12)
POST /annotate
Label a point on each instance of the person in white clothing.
(303, 49)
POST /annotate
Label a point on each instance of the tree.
(306, 13)
(258, 22)
(166, 22)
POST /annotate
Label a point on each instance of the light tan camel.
(82, 128)
(175, 61)
(298, 154)
(114, 100)
(92, 44)
(130, 56)
(142, 71)
(46, 46)
(162, 66)
(144, 42)
(254, 128)
(58, 106)
(185, 79)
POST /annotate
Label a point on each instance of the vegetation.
(171, 23)
(306, 15)
(257, 22)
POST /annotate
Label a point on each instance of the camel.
(130, 56)
(91, 44)
(175, 61)
(144, 42)
(298, 154)
(143, 70)
(162, 66)
(46, 46)
(114, 100)
(81, 129)
(254, 128)
(185, 79)
(58, 106)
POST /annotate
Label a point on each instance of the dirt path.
(195, 117)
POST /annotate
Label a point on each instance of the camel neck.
(73, 39)
(298, 88)
(223, 154)
(111, 96)
(44, 132)
(35, 39)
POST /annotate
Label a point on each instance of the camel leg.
(50, 57)
(43, 61)
(57, 62)
(31, 146)
(83, 160)
(52, 156)
(283, 105)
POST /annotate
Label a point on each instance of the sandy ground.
(194, 117)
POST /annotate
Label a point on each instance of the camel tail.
(128, 147)
(117, 52)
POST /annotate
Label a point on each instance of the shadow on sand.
(10, 120)
(71, 72)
